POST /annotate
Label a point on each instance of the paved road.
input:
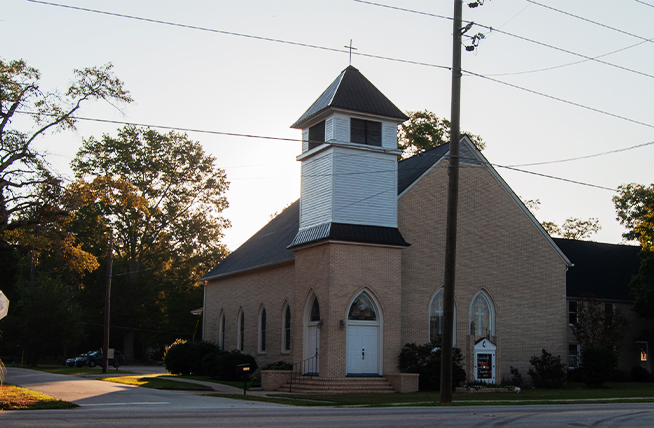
(597, 416)
(105, 404)
(89, 393)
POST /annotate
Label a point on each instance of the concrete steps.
(341, 385)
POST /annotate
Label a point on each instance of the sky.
(530, 89)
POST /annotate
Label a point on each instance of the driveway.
(89, 393)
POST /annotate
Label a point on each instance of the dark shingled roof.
(352, 91)
(269, 245)
(600, 270)
(266, 246)
(351, 233)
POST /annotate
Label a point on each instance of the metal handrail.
(305, 367)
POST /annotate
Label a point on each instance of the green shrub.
(640, 374)
(426, 361)
(547, 371)
(599, 365)
(175, 357)
(223, 366)
(278, 365)
(184, 357)
(516, 377)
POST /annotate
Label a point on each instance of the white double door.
(362, 357)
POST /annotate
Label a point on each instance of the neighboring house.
(351, 272)
(603, 272)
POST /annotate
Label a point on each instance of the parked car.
(77, 361)
(94, 358)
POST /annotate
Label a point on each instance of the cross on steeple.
(351, 49)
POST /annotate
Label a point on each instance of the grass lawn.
(156, 382)
(15, 398)
(574, 393)
(236, 383)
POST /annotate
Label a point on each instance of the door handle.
(363, 354)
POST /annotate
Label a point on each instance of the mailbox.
(244, 369)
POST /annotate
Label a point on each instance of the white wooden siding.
(341, 127)
(305, 140)
(365, 188)
(316, 194)
(329, 129)
(389, 135)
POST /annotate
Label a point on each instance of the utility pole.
(452, 208)
(107, 303)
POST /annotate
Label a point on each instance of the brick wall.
(269, 288)
(499, 251)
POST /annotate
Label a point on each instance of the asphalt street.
(104, 404)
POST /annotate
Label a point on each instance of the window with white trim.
(221, 332)
(482, 323)
(241, 331)
(262, 330)
(436, 318)
(286, 330)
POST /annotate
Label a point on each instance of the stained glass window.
(481, 317)
(436, 317)
(362, 309)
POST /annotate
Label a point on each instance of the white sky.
(189, 78)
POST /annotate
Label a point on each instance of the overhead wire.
(365, 55)
(231, 33)
(589, 20)
(506, 33)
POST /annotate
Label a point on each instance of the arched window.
(436, 318)
(262, 330)
(221, 331)
(241, 331)
(482, 316)
(286, 330)
(362, 309)
(315, 311)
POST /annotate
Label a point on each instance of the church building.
(344, 277)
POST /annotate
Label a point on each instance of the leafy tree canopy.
(635, 206)
(573, 228)
(25, 177)
(162, 196)
(597, 328)
(424, 130)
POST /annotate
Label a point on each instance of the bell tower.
(349, 164)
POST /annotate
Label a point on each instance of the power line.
(554, 67)
(587, 156)
(589, 20)
(531, 91)
(526, 39)
(645, 3)
(556, 178)
(295, 140)
(231, 33)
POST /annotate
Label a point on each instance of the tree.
(424, 130)
(162, 196)
(635, 206)
(598, 332)
(25, 177)
(596, 327)
(573, 228)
